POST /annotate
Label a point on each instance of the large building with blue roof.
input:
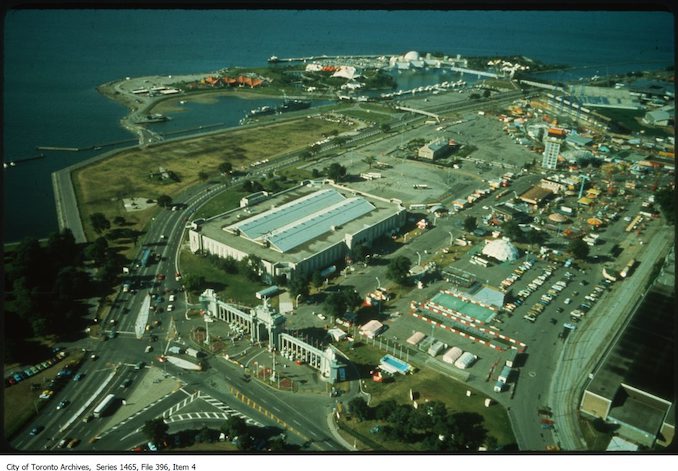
(298, 231)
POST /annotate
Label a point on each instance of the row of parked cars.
(516, 275)
(591, 298)
(548, 297)
(19, 376)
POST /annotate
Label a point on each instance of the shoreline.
(120, 91)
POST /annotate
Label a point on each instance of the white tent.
(501, 249)
(337, 334)
(452, 355)
(465, 361)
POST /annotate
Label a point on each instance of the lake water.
(53, 61)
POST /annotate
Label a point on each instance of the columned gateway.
(265, 323)
(261, 323)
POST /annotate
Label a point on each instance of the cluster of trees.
(579, 249)
(335, 171)
(429, 424)
(379, 80)
(246, 437)
(512, 230)
(338, 302)
(43, 284)
(251, 267)
(399, 269)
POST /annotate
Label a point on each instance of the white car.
(170, 307)
(567, 301)
(171, 298)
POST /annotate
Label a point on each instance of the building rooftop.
(298, 223)
(535, 194)
(643, 358)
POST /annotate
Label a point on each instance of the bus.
(145, 257)
(104, 406)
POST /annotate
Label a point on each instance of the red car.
(160, 277)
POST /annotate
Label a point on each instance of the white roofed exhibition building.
(501, 249)
(300, 230)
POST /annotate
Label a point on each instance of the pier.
(20, 161)
(479, 73)
(274, 59)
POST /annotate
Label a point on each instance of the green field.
(101, 186)
(430, 386)
(230, 287)
(229, 199)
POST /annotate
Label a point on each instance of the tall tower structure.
(552, 143)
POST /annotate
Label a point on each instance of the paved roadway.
(586, 349)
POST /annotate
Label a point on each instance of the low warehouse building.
(300, 230)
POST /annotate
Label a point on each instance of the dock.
(274, 59)
(20, 161)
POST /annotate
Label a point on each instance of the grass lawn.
(101, 186)
(378, 117)
(632, 120)
(430, 386)
(230, 287)
(224, 201)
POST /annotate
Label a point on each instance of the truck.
(145, 257)
(267, 292)
(193, 353)
(505, 375)
(104, 406)
(175, 350)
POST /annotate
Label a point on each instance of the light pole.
(451, 237)
(418, 259)
(296, 300)
(378, 283)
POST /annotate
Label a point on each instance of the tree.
(155, 430)
(226, 167)
(336, 171)
(385, 127)
(487, 93)
(579, 249)
(335, 304)
(384, 409)
(164, 201)
(99, 222)
(399, 269)
(252, 267)
(97, 251)
(370, 160)
(119, 220)
(358, 407)
(203, 176)
(470, 224)
(193, 282)
(298, 286)
(234, 426)
(512, 230)
(109, 270)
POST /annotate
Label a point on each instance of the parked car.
(36, 430)
(73, 443)
(63, 404)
